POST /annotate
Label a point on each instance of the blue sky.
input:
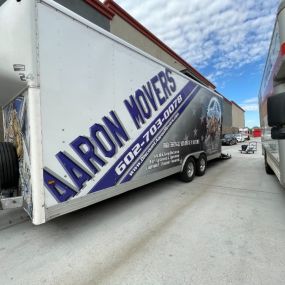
(226, 40)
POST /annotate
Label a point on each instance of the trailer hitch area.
(11, 203)
(225, 156)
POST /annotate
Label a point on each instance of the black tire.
(201, 165)
(189, 170)
(268, 169)
(9, 167)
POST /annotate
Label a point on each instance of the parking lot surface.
(227, 227)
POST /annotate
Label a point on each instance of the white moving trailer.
(272, 101)
(88, 116)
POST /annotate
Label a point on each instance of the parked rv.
(272, 101)
(87, 116)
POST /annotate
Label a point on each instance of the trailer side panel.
(113, 118)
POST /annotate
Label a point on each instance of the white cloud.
(252, 123)
(250, 104)
(251, 100)
(250, 107)
(223, 34)
(212, 76)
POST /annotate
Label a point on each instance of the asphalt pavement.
(227, 227)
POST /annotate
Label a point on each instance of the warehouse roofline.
(101, 8)
(227, 100)
(233, 102)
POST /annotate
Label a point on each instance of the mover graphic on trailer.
(72, 142)
(140, 111)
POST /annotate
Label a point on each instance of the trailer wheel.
(268, 169)
(189, 170)
(9, 167)
(201, 165)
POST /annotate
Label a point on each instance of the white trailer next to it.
(87, 116)
(272, 101)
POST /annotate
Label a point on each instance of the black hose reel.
(9, 166)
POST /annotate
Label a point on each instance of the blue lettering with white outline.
(110, 135)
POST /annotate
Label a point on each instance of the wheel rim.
(190, 169)
(202, 165)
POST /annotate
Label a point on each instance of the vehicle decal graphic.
(146, 139)
(115, 136)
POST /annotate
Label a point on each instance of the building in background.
(227, 117)
(237, 116)
(100, 16)
(233, 117)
